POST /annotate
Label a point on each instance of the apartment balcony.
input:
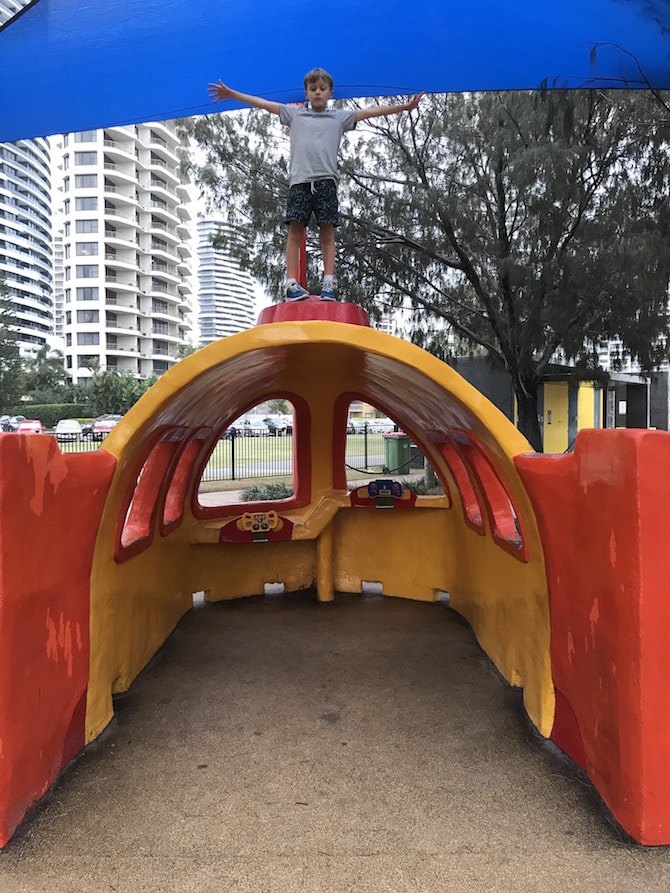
(122, 303)
(124, 215)
(121, 151)
(162, 211)
(116, 264)
(162, 229)
(122, 173)
(119, 285)
(123, 195)
(166, 170)
(125, 349)
(123, 238)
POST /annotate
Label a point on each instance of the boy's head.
(318, 74)
(318, 88)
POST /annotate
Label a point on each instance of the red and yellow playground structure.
(557, 562)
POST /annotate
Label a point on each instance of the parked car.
(4, 423)
(254, 428)
(15, 421)
(86, 428)
(381, 426)
(67, 430)
(103, 425)
(30, 426)
(357, 426)
(279, 425)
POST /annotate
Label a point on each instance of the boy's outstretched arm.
(220, 91)
(378, 111)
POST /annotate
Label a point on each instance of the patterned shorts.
(318, 198)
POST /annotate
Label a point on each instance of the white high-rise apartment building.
(25, 239)
(126, 251)
(226, 293)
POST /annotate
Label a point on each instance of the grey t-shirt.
(315, 141)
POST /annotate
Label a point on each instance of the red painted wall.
(50, 508)
(603, 513)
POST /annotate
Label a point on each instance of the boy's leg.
(296, 234)
(328, 216)
(298, 212)
(327, 236)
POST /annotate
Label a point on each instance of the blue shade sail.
(83, 64)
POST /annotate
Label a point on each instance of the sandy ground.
(277, 744)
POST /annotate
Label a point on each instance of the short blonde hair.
(317, 74)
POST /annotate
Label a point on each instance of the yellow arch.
(136, 603)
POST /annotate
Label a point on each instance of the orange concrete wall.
(603, 517)
(50, 506)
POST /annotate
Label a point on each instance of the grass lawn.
(264, 452)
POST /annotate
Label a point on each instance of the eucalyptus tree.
(520, 224)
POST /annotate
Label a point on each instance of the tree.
(525, 224)
(45, 378)
(115, 392)
(11, 373)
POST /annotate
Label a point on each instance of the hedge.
(51, 413)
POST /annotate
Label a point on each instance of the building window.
(88, 203)
(86, 226)
(86, 181)
(85, 157)
(88, 316)
(88, 338)
(85, 136)
(68, 340)
(87, 271)
(87, 249)
(68, 317)
(87, 294)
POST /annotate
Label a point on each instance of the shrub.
(266, 492)
(51, 413)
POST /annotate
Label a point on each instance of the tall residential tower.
(226, 293)
(25, 239)
(127, 282)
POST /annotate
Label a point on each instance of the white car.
(381, 426)
(254, 428)
(67, 429)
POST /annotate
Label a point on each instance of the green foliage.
(279, 406)
(45, 375)
(11, 371)
(420, 487)
(115, 392)
(51, 413)
(523, 225)
(266, 492)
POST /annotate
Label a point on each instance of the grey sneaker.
(295, 292)
(328, 293)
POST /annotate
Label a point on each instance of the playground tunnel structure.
(555, 561)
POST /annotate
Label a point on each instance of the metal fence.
(248, 458)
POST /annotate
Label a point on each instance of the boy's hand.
(219, 91)
(414, 103)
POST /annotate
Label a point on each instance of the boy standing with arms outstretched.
(316, 132)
